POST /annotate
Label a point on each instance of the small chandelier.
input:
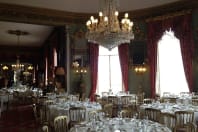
(18, 33)
(5, 68)
(108, 31)
(78, 69)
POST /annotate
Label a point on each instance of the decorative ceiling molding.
(148, 13)
(25, 14)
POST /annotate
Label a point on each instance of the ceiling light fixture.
(108, 31)
(18, 33)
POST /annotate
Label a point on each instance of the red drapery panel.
(183, 32)
(123, 50)
(181, 26)
(94, 52)
(154, 34)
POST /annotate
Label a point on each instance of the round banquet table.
(121, 125)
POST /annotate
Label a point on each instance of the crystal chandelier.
(108, 31)
(18, 33)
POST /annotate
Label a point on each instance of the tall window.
(55, 57)
(109, 71)
(170, 72)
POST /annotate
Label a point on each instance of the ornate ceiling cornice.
(26, 14)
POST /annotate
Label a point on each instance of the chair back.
(75, 97)
(108, 109)
(60, 124)
(183, 117)
(195, 102)
(126, 100)
(153, 114)
(113, 100)
(140, 98)
(125, 113)
(45, 128)
(147, 101)
(34, 107)
(168, 119)
(77, 114)
(47, 111)
(169, 100)
(93, 115)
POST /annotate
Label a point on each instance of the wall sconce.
(81, 70)
(140, 69)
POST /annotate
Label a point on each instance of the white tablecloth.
(121, 125)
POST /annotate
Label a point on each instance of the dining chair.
(191, 127)
(47, 111)
(116, 104)
(125, 100)
(166, 94)
(97, 97)
(93, 115)
(76, 97)
(169, 100)
(168, 119)
(125, 113)
(140, 98)
(152, 114)
(182, 118)
(184, 94)
(34, 107)
(60, 124)
(77, 116)
(113, 99)
(45, 128)
(108, 110)
(195, 102)
(105, 94)
(147, 100)
(132, 107)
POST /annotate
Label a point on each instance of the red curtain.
(181, 26)
(154, 34)
(183, 30)
(94, 52)
(123, 50)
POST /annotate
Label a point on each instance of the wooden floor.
(19, 118)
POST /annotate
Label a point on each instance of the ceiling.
(36, 31)
(61, 9)
(33, 39)
(88, 6)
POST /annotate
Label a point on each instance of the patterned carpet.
(19, 119)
